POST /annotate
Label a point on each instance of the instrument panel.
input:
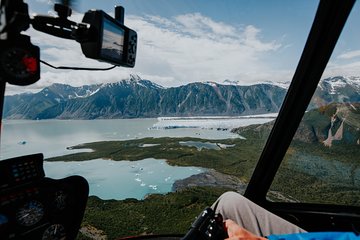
(35, 207)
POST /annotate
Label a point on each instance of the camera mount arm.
(59, 26)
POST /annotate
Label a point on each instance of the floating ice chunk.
(153, 187)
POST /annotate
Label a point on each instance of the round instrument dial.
(31, 213)
(54, 232)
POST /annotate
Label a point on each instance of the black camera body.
(109, 40)
(207, 226)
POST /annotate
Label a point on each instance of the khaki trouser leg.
(252, 217)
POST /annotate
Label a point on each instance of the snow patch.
(212, 84)
(335, 83)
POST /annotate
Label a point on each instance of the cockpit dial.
(54, 232)
(30, 214)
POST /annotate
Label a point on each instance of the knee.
(228, 200)
(230, 194)
(230, 197)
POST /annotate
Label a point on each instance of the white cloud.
(348, 69)
(199, 25)
(50, 2)
(345, 64)
(193, 47)
(171, 52)
(349, 55)
(252, 40)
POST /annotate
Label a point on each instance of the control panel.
(35, 207)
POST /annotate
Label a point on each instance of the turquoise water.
(123, 179)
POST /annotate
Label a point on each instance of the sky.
(183, 41)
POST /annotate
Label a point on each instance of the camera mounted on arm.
(101, 37)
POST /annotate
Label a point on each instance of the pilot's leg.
(252, 217)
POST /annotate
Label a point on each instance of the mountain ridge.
(136, 97)
(139, 98)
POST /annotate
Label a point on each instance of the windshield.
(159, 142)
(323, 157)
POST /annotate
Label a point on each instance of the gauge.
(30, 214)
(54, 232)
(60, 200)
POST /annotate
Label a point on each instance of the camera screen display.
(112, 47)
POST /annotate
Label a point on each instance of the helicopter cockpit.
(292, 150)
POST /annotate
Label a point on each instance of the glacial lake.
(123, 179)
(109, 179)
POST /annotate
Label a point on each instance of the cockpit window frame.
(329, 21)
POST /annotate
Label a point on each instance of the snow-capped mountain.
(336, 85)
(337, 89)
(135, 97)
(284, 85)
(132, 81)
(62, 92)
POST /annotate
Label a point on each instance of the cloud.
(193, 47)
(199, 25)
(348, 69)
(349, 55)
(345, 64)
(171, 52)
(251, 39)
(49, 2)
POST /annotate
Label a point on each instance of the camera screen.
(113, 41)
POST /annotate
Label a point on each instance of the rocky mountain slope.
(336, 89)
(336, 123)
